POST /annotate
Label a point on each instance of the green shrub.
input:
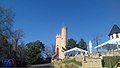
(110, 61)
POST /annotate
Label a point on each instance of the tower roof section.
(115, 29)
(63, 26)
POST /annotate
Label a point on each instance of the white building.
(114, 36)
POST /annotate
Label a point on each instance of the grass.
(67, 64)
(73, 61)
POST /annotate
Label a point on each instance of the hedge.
(110, 61)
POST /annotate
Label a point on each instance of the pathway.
(48, 65)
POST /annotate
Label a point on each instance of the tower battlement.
(64, 27)
(58, 36)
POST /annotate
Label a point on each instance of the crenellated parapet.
(58, 36)
(63, 26)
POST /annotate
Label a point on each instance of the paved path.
(48, 65)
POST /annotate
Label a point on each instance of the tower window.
(57, 50)
(117, 36)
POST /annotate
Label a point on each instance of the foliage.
(46, 53)
(53, 49)
(16, 36)
(34, 52)
(110, 61)
(5, 48)
(82, 44)
(3, 41)
(96, 40)
(110, 47)
(71, 44)
(6, 21)
(21, 53)
(9, 38)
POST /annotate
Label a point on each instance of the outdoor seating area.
(76, 51)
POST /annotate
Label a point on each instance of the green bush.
(110, 61)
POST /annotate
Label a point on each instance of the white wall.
(110, 37)
(119, 35)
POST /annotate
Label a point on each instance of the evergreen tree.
(34, 52)
(71, 44)
(82, 44)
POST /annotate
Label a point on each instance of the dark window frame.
(112, 37)
(117, 36)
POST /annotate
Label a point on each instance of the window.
(112, 36)
(117, 36)
(57, 50)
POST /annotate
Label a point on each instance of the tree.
(3, 46)
(71, 44)
(16, 36)
(53, 48)
(46, 55)
(82, 44)
(108, 47)
(6, 21)
(9, 38)
(21, 53)
(47, 51)
(34, 51)
(96, 40)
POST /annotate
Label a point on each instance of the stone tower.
(64, 36)
(61, 40)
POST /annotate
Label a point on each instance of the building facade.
(115, 33)
(61, 41)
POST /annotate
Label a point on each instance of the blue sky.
(43, 19)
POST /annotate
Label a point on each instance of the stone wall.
(112, 53)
